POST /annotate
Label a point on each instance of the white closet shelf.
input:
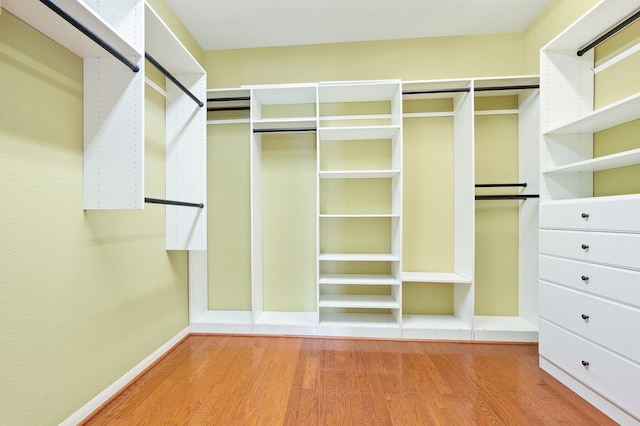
(620, 112)
(499, 323)
(358, 132)
(358, 215)
(49, 23)
(165, 47)
(358, 174)
(359, 301)
(606, 162)
(287, 318)
(435, 277)
(359, 257)
(359, 320)
(225, 317)
(332, 92)
(290, 94)
(433, 322)
(285, 123)
(358, 279)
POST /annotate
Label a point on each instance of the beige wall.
(84, 295)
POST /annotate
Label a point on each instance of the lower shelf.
(439, 327)
(358, 301)
(342, 319)
(504, 329)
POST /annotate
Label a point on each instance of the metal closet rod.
(238, 108)
(283, 130)
(467, 89)
(229, 99)
(609, 33)
(507, 197)
(500, 185)
(89, 33)
(173, 203)
(167, 74)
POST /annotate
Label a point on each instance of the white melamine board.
(529, 80)
(285, 94)
(598, 20)
(118, 26)
(358, 319)
(435, 277)
(225, 317)
(257, 276)
(358, 301)
(287, 318)
(344, 216)
(441, 86)
(507, 323)
(359, 257)
(285, 123)
(198, 284)
(620, 112)
(113, 135)
(358, 92)
(186, 165)
(606, 162)
(358, 132)
(445, 322)
(358, 279)
(358, 174)
(165, 47)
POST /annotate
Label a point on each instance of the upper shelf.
(120, 31)
(385, 90)
(607, 162)
(594, 23)
(358, 132)
(165, 47)
(620, 112)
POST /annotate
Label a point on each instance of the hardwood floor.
(251, 380)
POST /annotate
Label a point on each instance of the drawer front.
(614, 378)
(606, 323)
(593, 214)
(600, 247)
(618, 284)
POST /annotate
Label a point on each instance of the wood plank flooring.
(252, 380)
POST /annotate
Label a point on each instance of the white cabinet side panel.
(186, 165)
(113, 135)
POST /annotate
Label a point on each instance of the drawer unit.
(604, 322)
(617, 214)
(622, 285)
(601, 247)
(613, 377)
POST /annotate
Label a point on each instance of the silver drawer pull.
(585, 215)
(585, 246)
(584, 278)
(585, 317)
(585, 363)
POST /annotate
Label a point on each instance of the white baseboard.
(123, 381)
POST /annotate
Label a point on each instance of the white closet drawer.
(613, 377)
(600, 247)
(618, 284)
(604, 322)
(593, 214)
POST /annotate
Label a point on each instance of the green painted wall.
(84, 295)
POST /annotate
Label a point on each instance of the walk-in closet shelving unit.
(359, 208)
(113, 48)
(283, 198)
(524, 325)
(458, 97)
(589, 245)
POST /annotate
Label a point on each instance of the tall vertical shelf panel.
(283, 131)
(186, 170)
(459, 324)
(589, 267)
(113, 94)
(359, 208)
(524, 325)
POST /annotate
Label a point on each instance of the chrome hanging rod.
(609, 33)
(229, 99)
(175, 81)
(173, 203)
(238, 108)
(89, 33)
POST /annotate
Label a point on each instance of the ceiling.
(218, 24)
